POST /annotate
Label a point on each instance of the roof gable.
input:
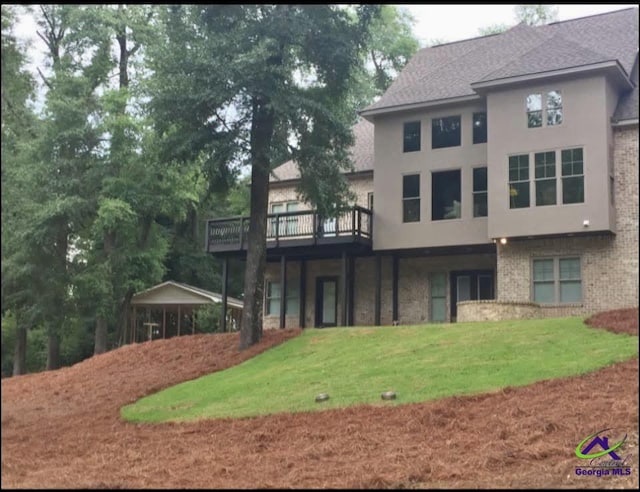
(171, 292)
(566, 54)
(446, 72)
(361, 154)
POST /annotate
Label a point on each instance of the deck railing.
(306, 226)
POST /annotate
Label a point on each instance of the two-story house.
(496, 178)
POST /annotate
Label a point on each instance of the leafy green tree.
(536, 15)
(63, 157)
(529, 14)
(18, 129)
(493, 29)
(239, 81)
(391, 46)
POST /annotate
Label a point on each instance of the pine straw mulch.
(62, 429)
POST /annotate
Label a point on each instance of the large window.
(572, 176)
(480, 192)
(552, 114)
(411, 198)
(411, 136)
(445, 132)
(285, 226)
(479, 128)
(554, 108)
(534, 110)
(274, 296)
(545, 172)
(519, 181)
(557, 281)
(445, 195)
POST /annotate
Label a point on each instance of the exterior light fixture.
(503, 240)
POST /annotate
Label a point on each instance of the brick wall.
(496, 310)
(413, 286)
(609, 263)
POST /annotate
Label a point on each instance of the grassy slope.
(354, 365)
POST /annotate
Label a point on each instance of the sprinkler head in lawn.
(322, 397)
(388, 395)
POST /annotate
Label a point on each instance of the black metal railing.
(306, 226)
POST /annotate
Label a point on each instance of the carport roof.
(175, 293)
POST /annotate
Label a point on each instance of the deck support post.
(351, 276)
(378, 288)
(283, 290)
(303, 291)
(225, 282)
(394, 289)
(343, 290)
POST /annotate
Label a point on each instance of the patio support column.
(394, 289)
(225, 282)
(164, 322)
(134, 324)
(179, 319)
(351, 279)
(378, 288)
(193, 321)
(303, 291)
(343, 288)
(283, 290)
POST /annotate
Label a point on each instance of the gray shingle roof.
(361, 154)
(447, 71)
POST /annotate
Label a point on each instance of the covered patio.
(170, 309)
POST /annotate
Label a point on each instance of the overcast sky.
(444, 23)
(455, 22)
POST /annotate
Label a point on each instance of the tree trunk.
(102, 328)
(53, 351)
(123, 317)
(262, 125)
(20, 354)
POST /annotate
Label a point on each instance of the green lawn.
(355, 365)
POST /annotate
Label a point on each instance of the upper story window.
(554, 108)
(547, 168)
(411, 198)
(534, 110)
(572, 176)
(411, 136)
(545, 172)
(552, 113)
(519, 181)
(480, 192)
(445, 132)
(479, 128)
(445, 195)
(284, 226)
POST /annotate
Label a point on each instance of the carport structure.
(169, 309)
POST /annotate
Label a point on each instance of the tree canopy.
(150, 119)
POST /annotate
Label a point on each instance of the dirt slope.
(62, 429)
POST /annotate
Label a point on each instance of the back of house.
(496, 178)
